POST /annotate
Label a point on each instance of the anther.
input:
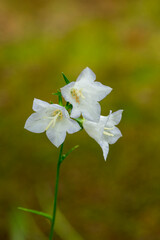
(108, 134)
(109, 128)
(76, 94)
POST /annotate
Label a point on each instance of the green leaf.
(68, 107)
(58, 93)
(71, 150)
(65, 78)
(36, 212)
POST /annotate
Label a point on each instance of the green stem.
(56, 193)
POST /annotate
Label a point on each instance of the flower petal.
(36, 123)
(115, 118)
(99, 91)
(91, 111)
(87, 75)
(56, 134)
(103, 120)
(112, 139)
(66, 92)
(75, 113)
(39, 105)
(93, 129)
(72, 126)
(105, 148)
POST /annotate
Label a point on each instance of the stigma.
(76, 94)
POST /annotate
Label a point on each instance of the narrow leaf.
(36, 212)
(68, 107)
(58, 93)
(60, 100)
(71, 150)
(65, 78)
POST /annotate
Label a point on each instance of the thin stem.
(56, 193)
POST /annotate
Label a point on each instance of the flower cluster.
(82, 109)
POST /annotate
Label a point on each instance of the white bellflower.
(52, 118)
(104, 132)
(84, 95)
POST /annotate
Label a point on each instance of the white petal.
(93, 129)
(87, 75)
(102, 90)
(97, 91)
(56, 134)
(72, 126)
(105, 148)
(112, 139)
(89, 108)
(56, 106)
(75, 113)
(39, 105)
(66, 92)
(103, 120)
(115, 118)
(91, 111)
(36, 123)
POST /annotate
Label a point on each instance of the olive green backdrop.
(119, 40)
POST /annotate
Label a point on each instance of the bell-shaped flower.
(52, 118)
(104, 132)
(84, 95)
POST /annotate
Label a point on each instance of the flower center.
(56, 116)
(108, 133)
(57, 113)
(76, 94)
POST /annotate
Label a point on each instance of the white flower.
(84, 95)
(52, 118)
(104, 132)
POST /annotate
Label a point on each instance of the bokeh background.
(119, 41)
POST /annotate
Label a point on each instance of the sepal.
(65, 78)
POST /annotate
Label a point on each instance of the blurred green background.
(119, 41)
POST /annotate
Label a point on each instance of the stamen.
(56, 115)
(76, 94)
(108, 134)
(51, 122)
(109, 128)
